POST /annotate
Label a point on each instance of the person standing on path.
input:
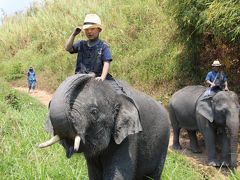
(31, 77)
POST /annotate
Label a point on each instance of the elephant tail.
(172, 115)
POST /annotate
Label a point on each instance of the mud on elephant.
(217, 120)
(122, 136)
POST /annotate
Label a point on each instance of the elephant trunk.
(60, 108)
(234, 128)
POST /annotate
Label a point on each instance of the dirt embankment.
(198, 161)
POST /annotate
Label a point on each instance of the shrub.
(13, 100)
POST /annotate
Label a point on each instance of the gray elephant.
(120, 137)
(216, 118)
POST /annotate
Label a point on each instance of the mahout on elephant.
(122, 135)
(217, 118)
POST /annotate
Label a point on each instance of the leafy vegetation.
(218, 17)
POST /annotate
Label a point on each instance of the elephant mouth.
(72, 146)
(90, 144)
(68, 146)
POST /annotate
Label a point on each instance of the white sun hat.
(92, 21)
(216, 63)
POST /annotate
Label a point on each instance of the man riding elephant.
(216, 79)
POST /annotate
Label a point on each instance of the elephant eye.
(94, 111)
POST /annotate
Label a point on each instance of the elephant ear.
(204, 108)
(127, 121)
(234, 97)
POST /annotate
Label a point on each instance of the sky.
(11, 6)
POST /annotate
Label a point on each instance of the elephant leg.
(193, 141)
(176, 144)
(210, 143)
(156, 175)
(94, 172)
(225, 150)
(176, 129)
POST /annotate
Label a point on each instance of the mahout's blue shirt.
(212, 75)
(218, 78)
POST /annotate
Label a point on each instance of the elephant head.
(88, 115)
(223, 110)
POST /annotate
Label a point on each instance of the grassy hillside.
(158, 46)
(142, 38)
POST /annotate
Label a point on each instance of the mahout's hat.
(216, 63)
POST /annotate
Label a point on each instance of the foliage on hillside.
(220, 18)
(157, 46)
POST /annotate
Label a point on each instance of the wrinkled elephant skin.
(122, 136)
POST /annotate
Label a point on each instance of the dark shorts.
(31, 84)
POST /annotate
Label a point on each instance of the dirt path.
(42, 96)
(198, 161)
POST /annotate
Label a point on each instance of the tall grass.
(220, 18)
(21, 130)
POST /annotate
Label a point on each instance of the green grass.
(21, 130)
(220, 18)
(177, 167)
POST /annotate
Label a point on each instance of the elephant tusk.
(77, 143)
(50, 142)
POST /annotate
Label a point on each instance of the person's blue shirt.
(106, 54)
(212, 76)
(31, 75)
(218, 78)
(91, 58)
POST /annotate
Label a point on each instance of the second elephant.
(216, 119)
